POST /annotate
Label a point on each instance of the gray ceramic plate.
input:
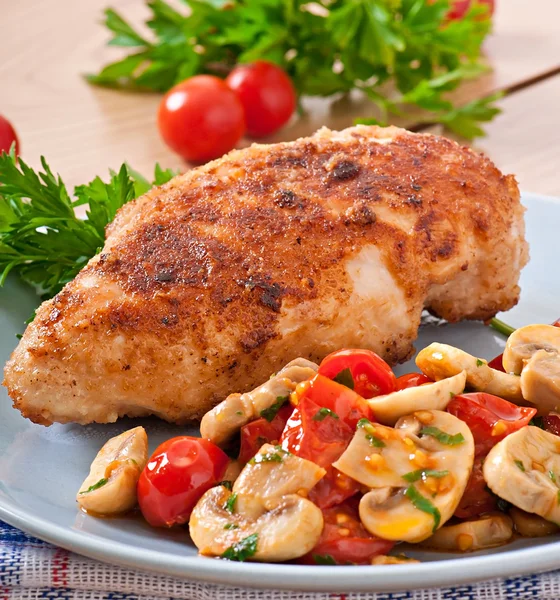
(41, 469)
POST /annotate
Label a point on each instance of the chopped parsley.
(268, 457)
(226, 483)
(537, 422)
(243, 549)
(96, 486)
(324, 559)
(479, 362)
(558, 496)
(345, 378)
(452, 394)
(270, 412)
(442, 437)
(239, 413)
(423, 504)
(231, 526)
(323, 413)
(370, 437)
(423, 474)
(230, 503)
(520, 465)
(552, 476)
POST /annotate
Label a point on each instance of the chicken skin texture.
(212, 282)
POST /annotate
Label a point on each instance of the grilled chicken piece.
(209, 284)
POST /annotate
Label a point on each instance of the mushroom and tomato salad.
(338, 463)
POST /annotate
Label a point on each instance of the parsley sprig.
(41, 238)
(400, 53)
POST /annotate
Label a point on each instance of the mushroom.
(540, 381)
(488, 531)
(439, 361)
(266, 505)
(223, 421)
(110, 487)
(388, 409)
(417, 473)
(524, 342)
(529, 525)
(524, 469)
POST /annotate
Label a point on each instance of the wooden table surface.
(84, 130)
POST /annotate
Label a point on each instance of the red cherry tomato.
(476, 499)
(333, 489)
(259, 432)
(201, 118)
(267, 94)
(176, 476)
(551, 423)
(7, 136)
(489, 418)
(411, 380)
(496, 363)
(371, 375)
(344, 539)
(459, 8)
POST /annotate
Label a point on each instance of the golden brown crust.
(201, 271)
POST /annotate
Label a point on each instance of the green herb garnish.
(230, 503)
(225, 483)
(266, 458)
(552, 476)
(345, 378)
(537, 422)
(479, 362)
(423, 504)
(442, 437)
(324, 559)
(270, 412)
(501, 327)
(423, 474)
(323, 413)
(243, 549)
(368, 427)
(96, 486)
(520, 465)
(231, 526)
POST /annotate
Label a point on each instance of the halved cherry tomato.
(489, 418)
(412, 380)
(333, 489)
(551, 423)
(344, 539)
(476, 499)
(369, 374)
(176, 476)
(259, 432)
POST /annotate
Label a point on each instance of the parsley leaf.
(442, 437)
(225, 483)
(230, 503)
(324, 559)
(231, 526)
(479, 362)
(269, 457)
(368, 427)
(423, 474)
(519, 465)
(345, 378)
(96, 486)
(243, 549)
(270, 412)
(422, 503)
(323, 413)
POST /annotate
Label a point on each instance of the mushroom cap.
(114, 474)
(388, 409)
(488, 531)
(402, 464)
(524, 469)
(439, 361)
(531, 525)
(525, 341)
(540, 381)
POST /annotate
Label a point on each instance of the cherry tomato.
(459, 8)
(411, 380)
(496, 363)
(7, 136)
(489, 418)
(344, 539)
(267, 95)
(176, 476)
(370, 374)
(551, 423)
(259, 432)
(201, 118)
(476, 499)
(333, 489)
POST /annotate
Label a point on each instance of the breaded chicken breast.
(209, 284)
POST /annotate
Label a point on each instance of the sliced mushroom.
(267, 500)
(529, 525)
(525, 341)
(488, 531)
(400, 559)
(232, 471)
(110, 487)
(439, 361)
(417, 473)
(390, 408)
(540, 381)
(524, 469)
(223, 421)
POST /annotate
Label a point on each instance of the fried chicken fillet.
(212, 282)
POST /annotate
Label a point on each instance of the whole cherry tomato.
(365, 371)
(267, 95)
(259, 432)
(176, 476)
(412, 380)
(489, 418)
(459, 8)
(7, 136)
(201, 118)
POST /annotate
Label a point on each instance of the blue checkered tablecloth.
(31, 569)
